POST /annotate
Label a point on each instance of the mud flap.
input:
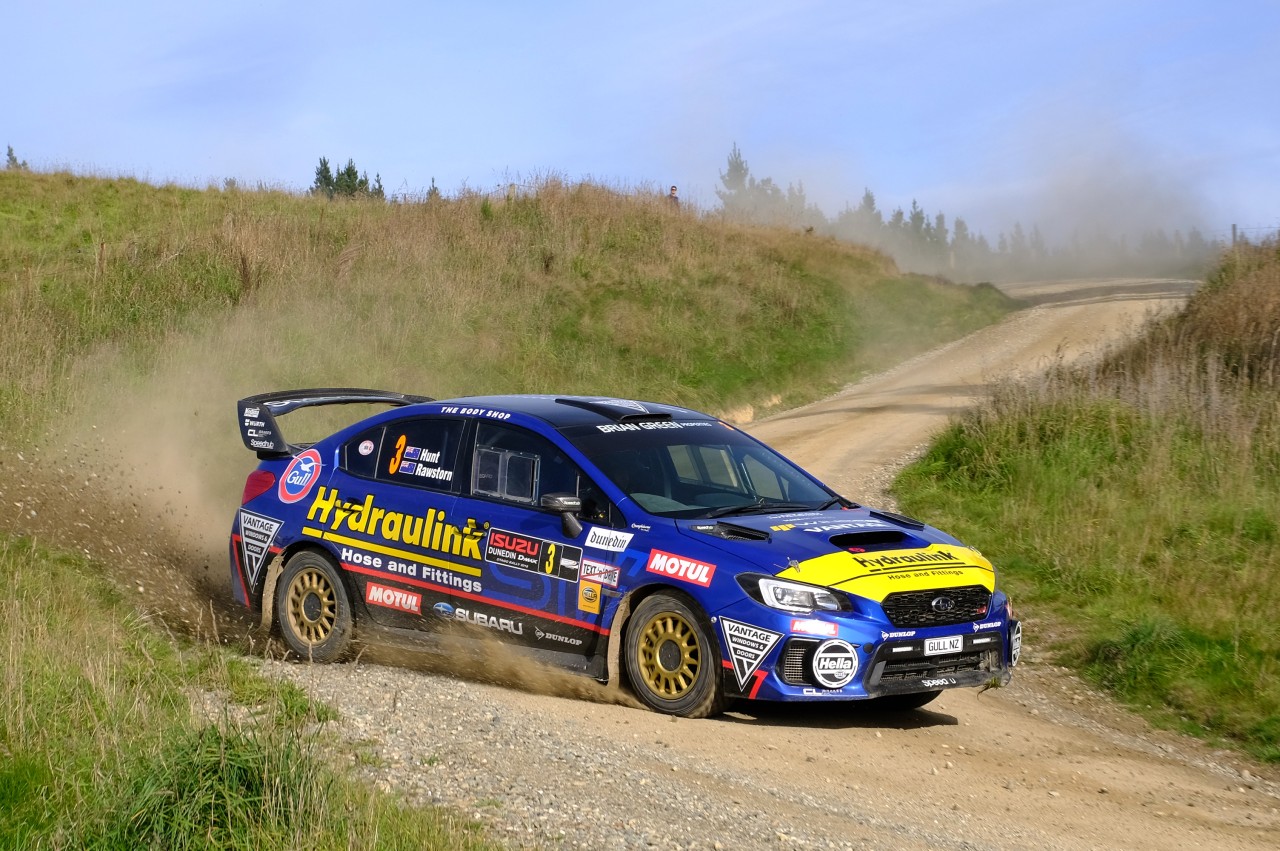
(269, 592)
(613, 654)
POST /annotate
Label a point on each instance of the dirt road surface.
(1043, 763)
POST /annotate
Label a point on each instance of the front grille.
(915, 609)
(793, 663)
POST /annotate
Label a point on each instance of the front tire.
(672, 659)
(312, 608)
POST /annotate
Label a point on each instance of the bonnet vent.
(875, 540)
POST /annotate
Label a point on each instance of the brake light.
(258, 483)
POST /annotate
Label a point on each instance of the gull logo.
(299, 476)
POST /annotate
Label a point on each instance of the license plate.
(938, 646)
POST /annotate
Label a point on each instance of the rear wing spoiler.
(257, 414)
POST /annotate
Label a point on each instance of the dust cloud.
(1075, 170)
(144, 471)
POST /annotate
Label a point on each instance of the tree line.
(346, 182)
(927, 244)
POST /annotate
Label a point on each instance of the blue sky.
(1115, 113)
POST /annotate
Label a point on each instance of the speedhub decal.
(748, 645)
(257, 534)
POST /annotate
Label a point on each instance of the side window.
(505, 474)
(421, 453)
(360, 454)
(519, 466)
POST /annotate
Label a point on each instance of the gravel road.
(549, 760)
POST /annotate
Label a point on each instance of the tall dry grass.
(561, 287)
(1135, 502)
(132, 317)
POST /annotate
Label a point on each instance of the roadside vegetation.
(133, 316)
(1134, 507)
(569, 288)
(114, 734)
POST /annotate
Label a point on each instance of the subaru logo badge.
(942, 604)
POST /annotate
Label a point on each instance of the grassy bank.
(1135, 506)
(573, 288)
(113, 735)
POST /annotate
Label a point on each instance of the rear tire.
(312, 608)
(672, 658)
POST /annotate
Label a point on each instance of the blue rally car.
(617, 538)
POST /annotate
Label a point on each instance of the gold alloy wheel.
(312, 605)
(670, 656)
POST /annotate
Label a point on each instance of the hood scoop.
(876, 539)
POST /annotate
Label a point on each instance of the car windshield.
(699, 469)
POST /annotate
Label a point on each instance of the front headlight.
(792, 596)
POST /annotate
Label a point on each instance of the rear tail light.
(258, 483)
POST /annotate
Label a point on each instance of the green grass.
(100, 747)
(1136, 506)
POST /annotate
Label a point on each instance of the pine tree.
(349, 182)
(13, 164)
(324, 180)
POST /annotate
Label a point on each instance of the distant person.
(674, 198)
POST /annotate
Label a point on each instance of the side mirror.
(568, 505)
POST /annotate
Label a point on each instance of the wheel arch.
(267, 595)
(616, 671)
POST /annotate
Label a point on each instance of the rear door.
(389, 512)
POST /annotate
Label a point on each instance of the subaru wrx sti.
(630, 541)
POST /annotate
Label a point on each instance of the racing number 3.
(398, 457)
